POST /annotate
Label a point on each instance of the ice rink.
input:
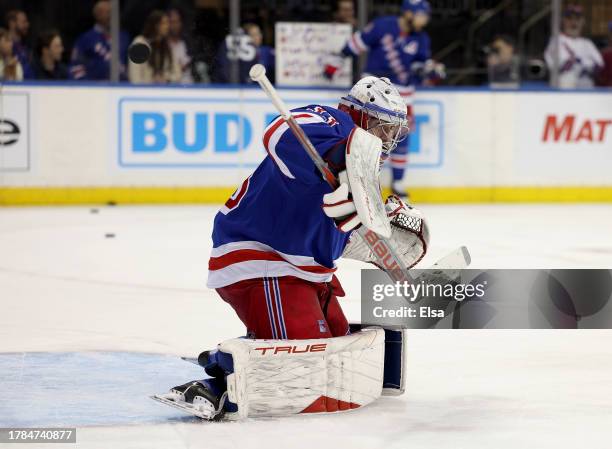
(112, 283)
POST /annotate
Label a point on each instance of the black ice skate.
(399, 191)
(195, 398)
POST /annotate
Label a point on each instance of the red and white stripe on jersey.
(275, 131)
(356, 43)
(398, 160)
(78, 71)
(237, 261)
(393, 57)
(274, 305)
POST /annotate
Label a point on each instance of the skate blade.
(191, 360)
(187, 408)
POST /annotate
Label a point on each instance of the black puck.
(139, 52)
(109, 235)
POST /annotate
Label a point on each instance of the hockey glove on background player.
(331, 65)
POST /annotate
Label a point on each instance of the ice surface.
(55, 389)
(65, 287)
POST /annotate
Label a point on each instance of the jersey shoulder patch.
(323, 125)
(275, 130)
(322, 112)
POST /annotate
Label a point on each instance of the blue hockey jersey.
(263, 55)
(23, 55)
(273, 225)
(391, 52)
(91, 55)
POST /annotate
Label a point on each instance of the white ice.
(65, 287)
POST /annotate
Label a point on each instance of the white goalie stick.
(386, 256)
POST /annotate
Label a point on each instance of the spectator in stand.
(264, 53)
(49, 51)
(18, 27)
(502, 62)
(91, 55)
(579, 59)
(605, 75)
(161, 68)
(178, 46)
(248, 49)
(10, 67)
(345, 12)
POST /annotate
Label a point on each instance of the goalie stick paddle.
(386, 256)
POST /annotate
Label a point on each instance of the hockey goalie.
(275, 246)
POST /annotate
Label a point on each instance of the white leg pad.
(286, 377)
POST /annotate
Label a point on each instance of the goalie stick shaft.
(386, 256)
(258, 74)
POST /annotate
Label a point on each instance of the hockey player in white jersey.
(579, 59)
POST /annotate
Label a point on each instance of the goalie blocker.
(289, 377)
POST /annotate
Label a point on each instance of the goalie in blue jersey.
(278, 237)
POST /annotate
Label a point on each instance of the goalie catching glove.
(409, 234)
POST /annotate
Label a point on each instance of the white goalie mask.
(376, 105)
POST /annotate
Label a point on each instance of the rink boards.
(75, 144)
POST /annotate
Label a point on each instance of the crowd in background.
(90, 56)
(27, 54)
(581, 64)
